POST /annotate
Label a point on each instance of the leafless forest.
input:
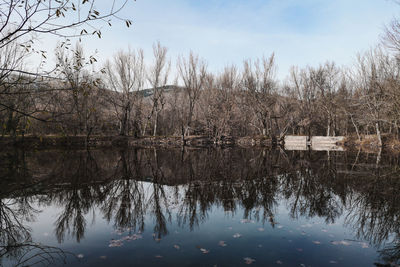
(133, 98)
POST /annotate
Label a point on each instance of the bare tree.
(371, 83)
(125, 78)
(63, 18)
(193, 72)
(259, 86)
(218, 102)
(158, 78)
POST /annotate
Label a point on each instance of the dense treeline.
(131, 97)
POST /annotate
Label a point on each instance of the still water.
(199, 207)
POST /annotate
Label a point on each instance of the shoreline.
(367, 143)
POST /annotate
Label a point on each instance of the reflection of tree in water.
(192, 182)
(124, 197)
(16, 245)
(374, 211)
(312, 189)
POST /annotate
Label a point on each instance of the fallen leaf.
(103, 257)
(80, 256)
(158, 256)
(332, 262)
(222, 243)
(248, 260)
(177, 246)
(364, 245)
(317, 242)
(204, 251)
(115, 243)
(237, 235)
(261, 229)
(343, 242)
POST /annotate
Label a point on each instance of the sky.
(299, 32)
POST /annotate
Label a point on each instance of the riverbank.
(368, 143)
(124, 141)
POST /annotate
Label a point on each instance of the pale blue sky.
(301, 33)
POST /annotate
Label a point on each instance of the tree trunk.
(183, 135)
(155, 124)
(264, 131)
(355, 126)
(378, 133)
(328, 130)
(124, 122)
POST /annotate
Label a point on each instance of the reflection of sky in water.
(209, 207)
(291, 242)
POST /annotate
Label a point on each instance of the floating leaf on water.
(103, 257)
(332, 262)
(279, 262)
(302, 265)
(343, 242)
(158, 256)
(177, 246)
(248, 260)
(303, 233)
(317, 242)
(237, 235)
(324, 230)
(261, 229)
(246, 221)
(115, 243)
(204, 251)
(131, 237)
(299, 249)
(364, 245)
(222, 244)
(279, 226)
(80, 256)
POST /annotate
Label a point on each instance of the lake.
(199, 207)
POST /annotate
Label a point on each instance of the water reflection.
(128, 185)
